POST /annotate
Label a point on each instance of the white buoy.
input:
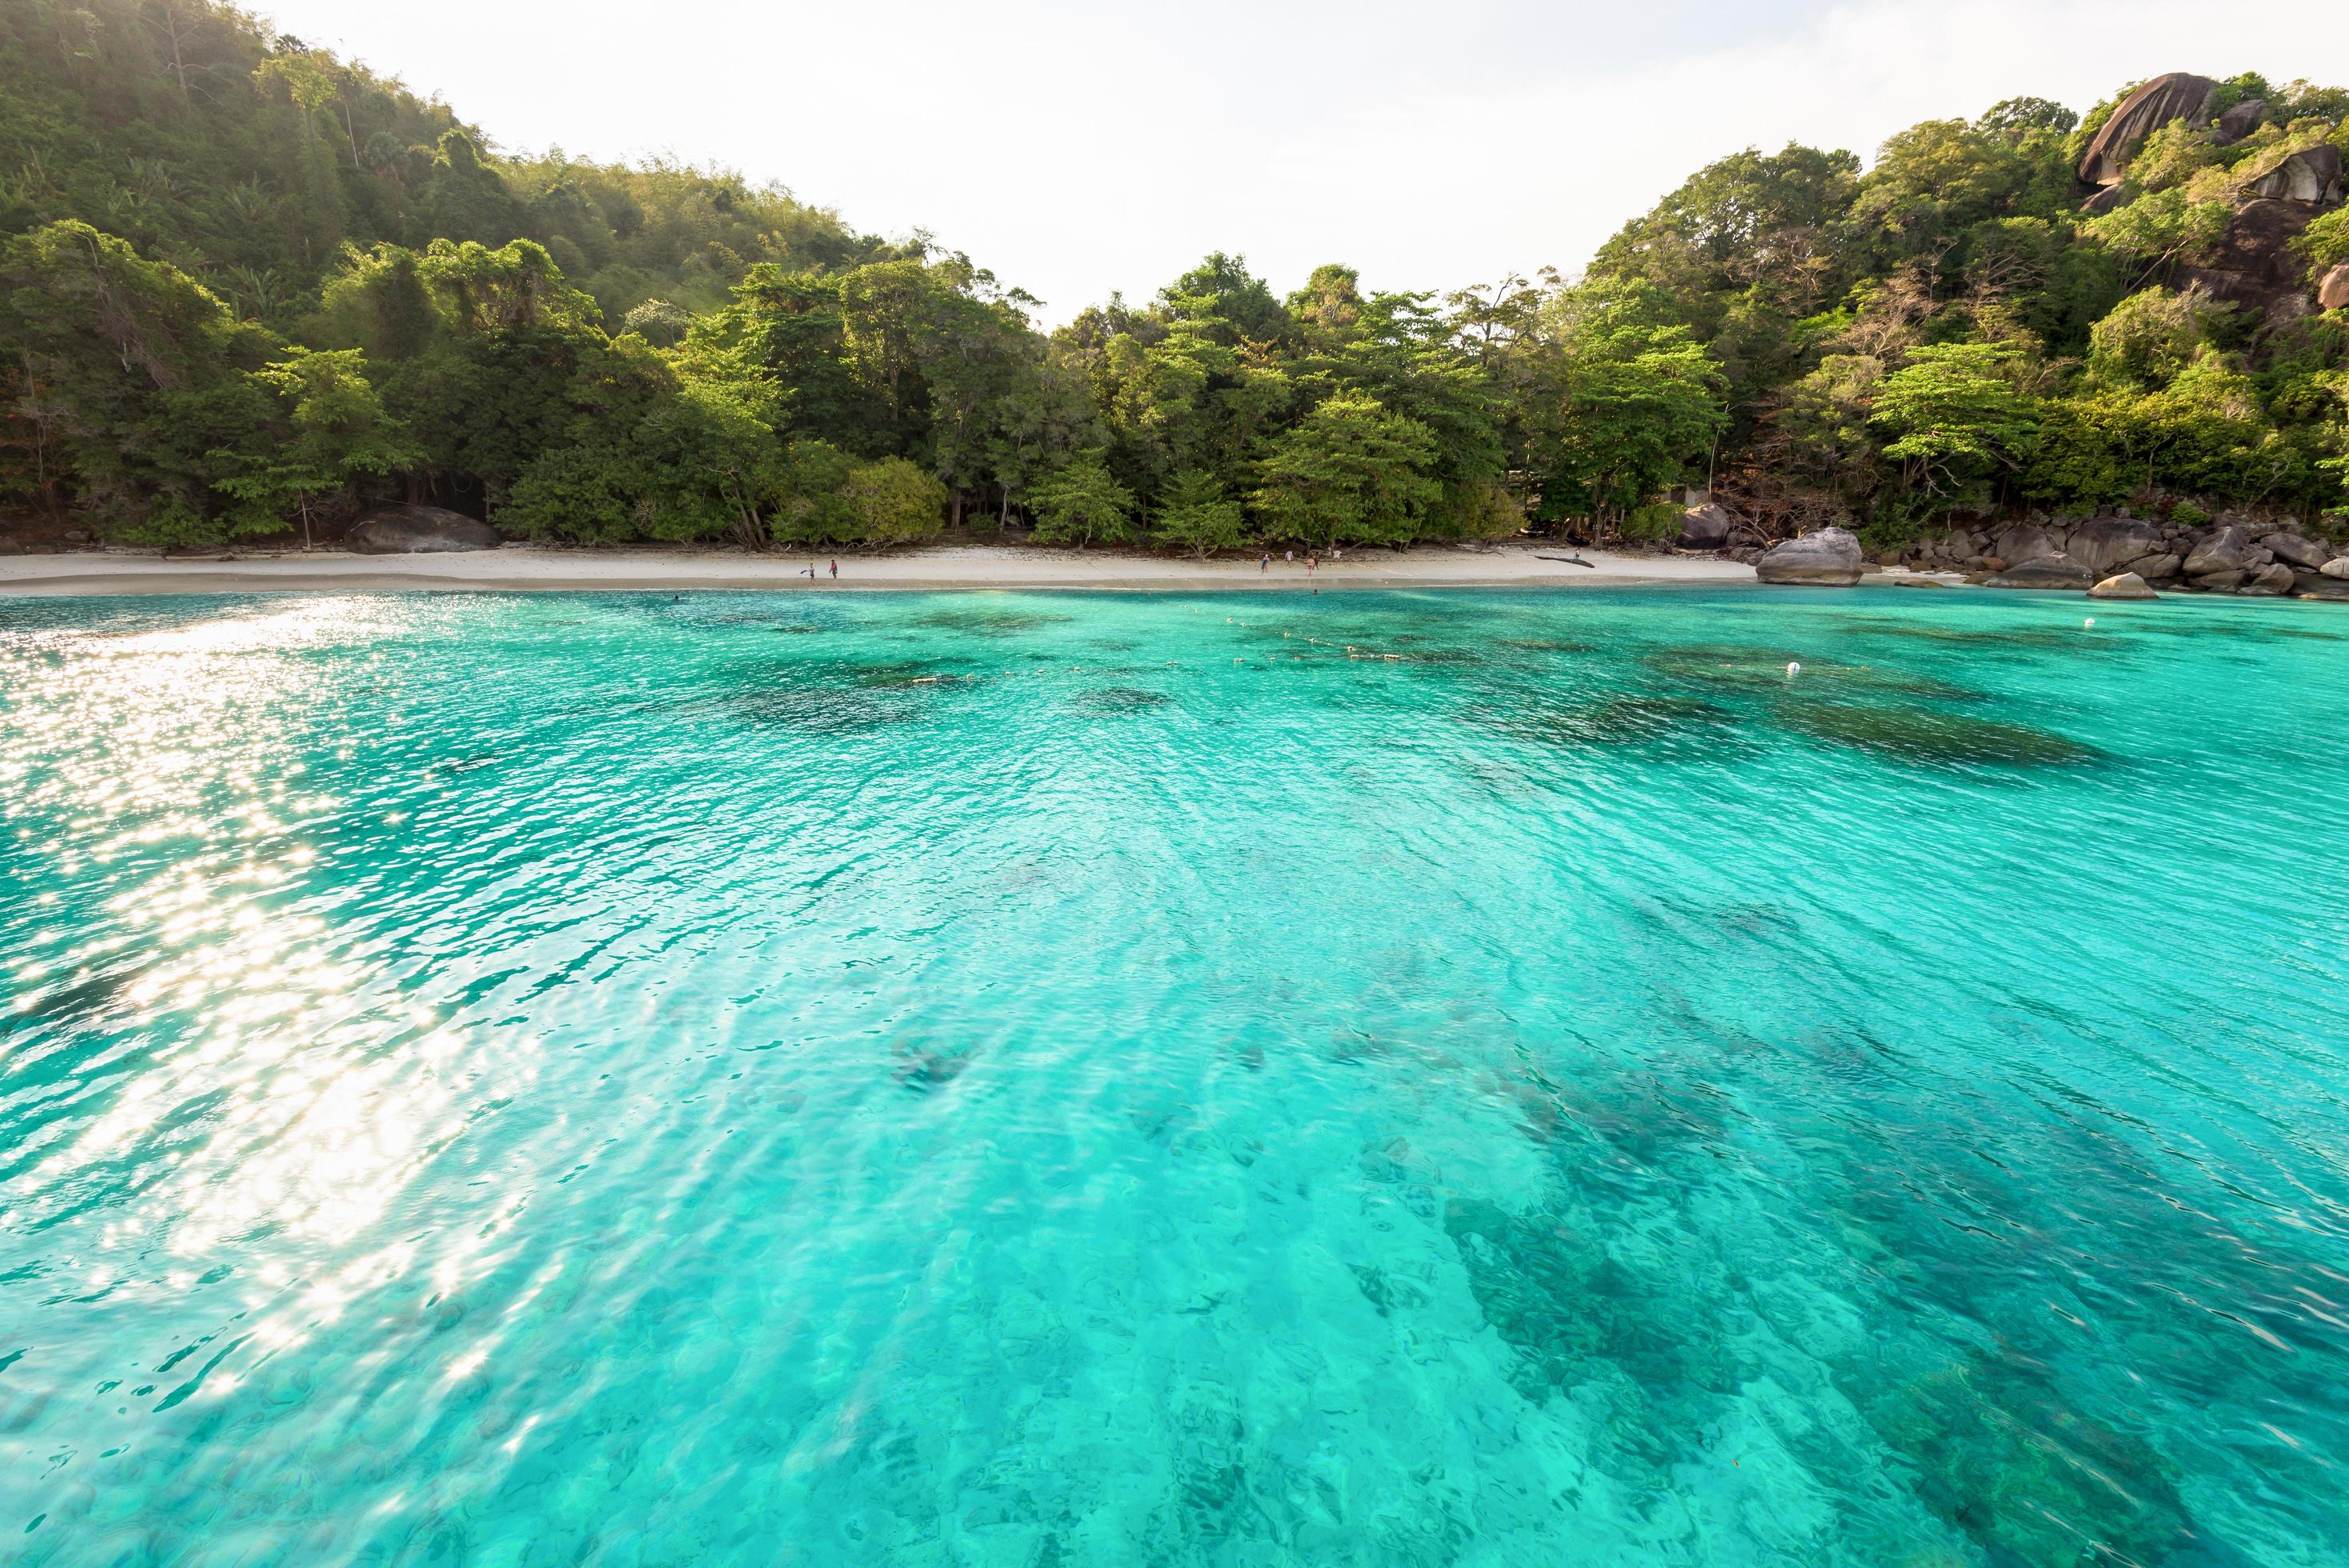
(2089, 621)
(1792, 670)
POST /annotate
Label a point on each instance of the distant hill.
(248, 160)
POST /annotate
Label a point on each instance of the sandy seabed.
(525, 568)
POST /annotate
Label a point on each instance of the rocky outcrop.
(2311, 175)
(1830, 558)
(2227, 550)
(2176, 96)
(2108, 544)
(2066, 552)
(416, 529)
(2128, 585)
(2295, 549)
(2332, 288)
(2254, 264)
(2241, 120)
(2024, 542)
(2045, 572)
(1708, 526)
(2269, 580)
(2319, 585)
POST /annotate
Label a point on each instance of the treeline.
(246, 288)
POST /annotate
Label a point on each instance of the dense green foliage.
(246, 286)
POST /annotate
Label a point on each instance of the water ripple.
(1396, 1078)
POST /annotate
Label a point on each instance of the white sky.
(1079, 149)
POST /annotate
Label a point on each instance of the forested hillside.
(247, 289)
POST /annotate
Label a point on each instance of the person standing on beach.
(835, 570)
(1312, 563)
(1264, 565)
(1289, 556)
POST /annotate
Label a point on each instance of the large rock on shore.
(2045, 572)
(2105, 544)
(2178, 95)
(1707, 527)
(2339, 568)
(1829, 558)
(2228, 550)
(2128, 585)
(2297, 549)
(418, 530)
(2025, 541)
(2154, 568)
(2270, 580)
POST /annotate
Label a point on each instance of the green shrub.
(1653, 523)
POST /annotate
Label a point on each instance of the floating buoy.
(1792, 670)
(2089, 621)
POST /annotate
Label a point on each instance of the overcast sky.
(1080, 149)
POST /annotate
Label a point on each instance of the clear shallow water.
(992, 1079)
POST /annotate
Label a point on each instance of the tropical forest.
(249, 289)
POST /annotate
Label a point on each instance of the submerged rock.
(2044, 571)
(1830, 557)
(1935, 739)
(417, 530)
(2128, 585)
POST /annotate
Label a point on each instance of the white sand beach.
(527, 568)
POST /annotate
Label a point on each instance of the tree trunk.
(171, 30)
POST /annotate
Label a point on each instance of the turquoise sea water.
(1031, 1079)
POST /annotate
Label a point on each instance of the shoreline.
(532, 569)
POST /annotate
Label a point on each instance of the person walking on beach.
(835, 570)
(1264, 565)
(1313, 564)
(1289, 556)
